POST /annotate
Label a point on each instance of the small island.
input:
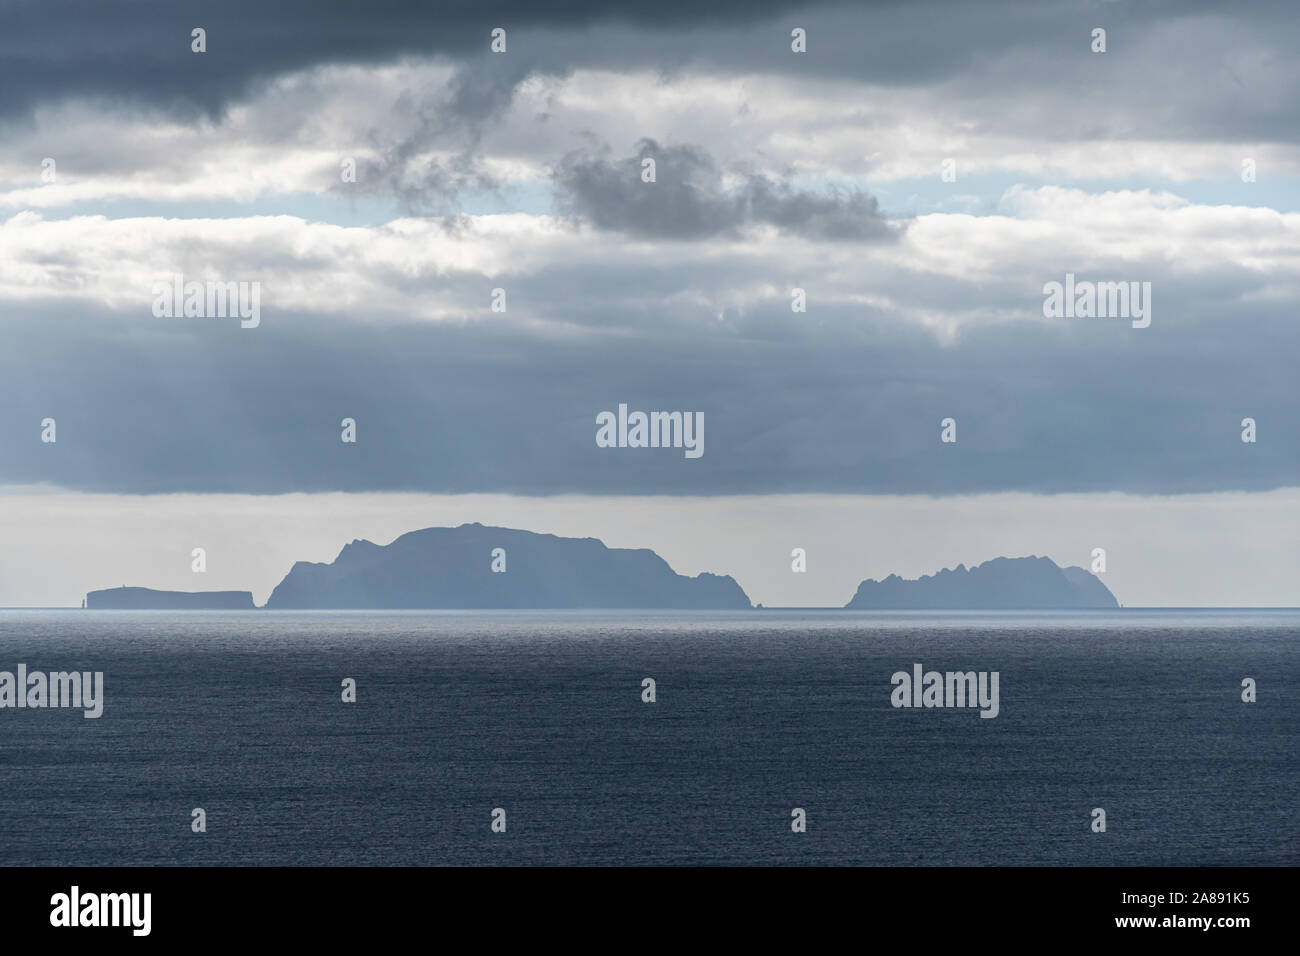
(147, 599)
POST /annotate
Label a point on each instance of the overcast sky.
(775, 170)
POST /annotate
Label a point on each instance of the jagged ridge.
(1031, 583)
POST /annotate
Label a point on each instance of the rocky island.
(477, 566)
(1003, 584)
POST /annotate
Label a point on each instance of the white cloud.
(947, 269)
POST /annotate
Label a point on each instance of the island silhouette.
(1003, 584)
(480, 567)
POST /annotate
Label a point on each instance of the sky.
(920, 172)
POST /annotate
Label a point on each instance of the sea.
(526, 738)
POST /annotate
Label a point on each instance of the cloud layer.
(782, 180)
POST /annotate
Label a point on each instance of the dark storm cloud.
(141, 50)
(1194, 69)
(203, 406)
(449, 120)
(688, 199)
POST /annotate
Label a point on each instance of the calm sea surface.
(239, 713)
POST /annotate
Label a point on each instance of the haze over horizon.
(251, 542)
